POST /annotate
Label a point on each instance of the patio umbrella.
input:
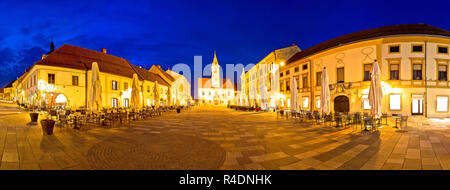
(375, 91)
(135, 89)
(95, 91)
(294, 103)
(325, 93)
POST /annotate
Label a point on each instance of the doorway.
(417, 105)
(341, 104)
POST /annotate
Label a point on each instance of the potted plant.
(178, 109)
(47, 124)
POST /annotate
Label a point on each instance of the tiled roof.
(157, 69)
(74, 57)
(206, 83)
(149, 76)
(403, 29)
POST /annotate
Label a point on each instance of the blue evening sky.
(168, 32)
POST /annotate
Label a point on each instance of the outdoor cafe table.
(397, 118)
(76, 116)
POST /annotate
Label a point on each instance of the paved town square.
(212, 137)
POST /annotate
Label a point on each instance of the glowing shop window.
(318, 103)
(288, 103)
(305, 102)
(365, 101)
(148, 102)
(395, 102)
(442, 103)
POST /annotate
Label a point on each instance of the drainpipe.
(426, 83)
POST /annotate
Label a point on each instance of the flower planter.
(47, 126)
(281, 112)
(34, 117)
(178, 110)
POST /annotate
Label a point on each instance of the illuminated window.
(394, 72)
(395, 102)
(125, 86)
(394, 49)
(442, 103)
(318, 102)
(126, 102)
(74, 80)
(114, 85)
(417, 71)
(340, 75)
(365, 102)
(367, 68)
(51, 78)
(305, 102)
(442, 73)
(114, 103)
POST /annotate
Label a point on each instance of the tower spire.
(215, 58)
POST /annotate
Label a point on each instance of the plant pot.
(34, 117)
(281, 112)
(178, 110)
(47, 126)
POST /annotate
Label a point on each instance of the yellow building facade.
(414, 61)
(62, 78)
(260, 85)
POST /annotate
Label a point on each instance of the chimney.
(104, 50)
(293, 44)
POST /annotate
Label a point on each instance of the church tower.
(215, 73)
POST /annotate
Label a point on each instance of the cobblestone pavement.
(221, 138)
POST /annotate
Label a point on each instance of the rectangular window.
(365, 102)
(126, 102)
(394, 49)
(125, 86)
(74, 80)
(288, 84)
(417, 71)
(442, 49)
(367, 68)
(417, 48)
(319, 78)
(394, 72)
(297, 79)
(340, 75)
(281, 74)
(114, 85)
(287, 72)
(51, 78)
(305, 102)
(318, 102)
(114, 103)
(442, 72)
(305, 81)
(304, 67)
(395, 102)
(296, 69)
(442, 103)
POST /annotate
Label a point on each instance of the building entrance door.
(417, 105)
(341, 104)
